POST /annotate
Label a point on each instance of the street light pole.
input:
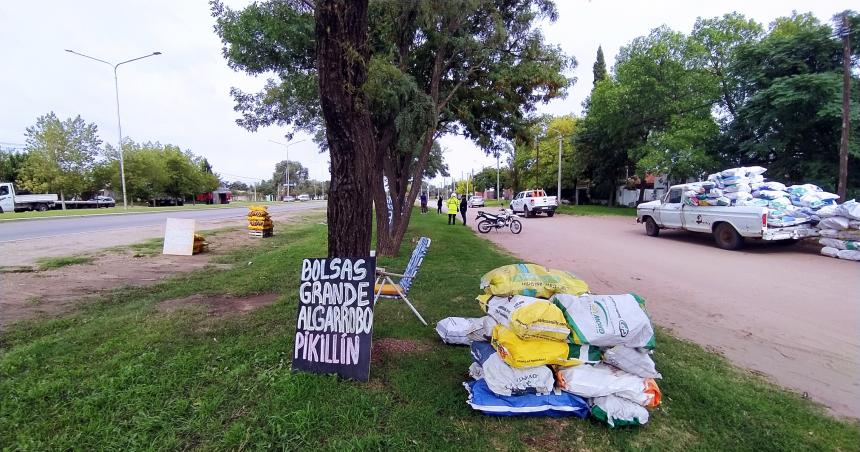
(559, 170)
(287, 169)
(498, 198)
(118, 121)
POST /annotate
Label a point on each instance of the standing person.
(439, 205)
(463, 206)
(423, 203)
(453, 205)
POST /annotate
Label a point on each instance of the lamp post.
(287, 169)
(118, 121)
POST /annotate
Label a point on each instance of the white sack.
(827, 211)
(851, 255)
(831, 233)
(617, 411)
(830, 251)
(600, 380)
(837, 223)
(832, 243)
(460, 330)
(633, 360)
(850, 209)
(505, 380)
(606, 320)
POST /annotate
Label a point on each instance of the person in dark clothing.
(439, 205)
(423, 203)
(463, 206)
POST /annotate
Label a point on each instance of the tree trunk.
(641, 191)
(342, 55)
(846, 104)
(62, 199)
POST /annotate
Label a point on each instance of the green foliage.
(60, 155)
(154, 170)
(63, 261)
(11, 164)
(728, 94)
(599, 71)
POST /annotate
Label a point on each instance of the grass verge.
(121, 374)
(585, 209)
(62, 261)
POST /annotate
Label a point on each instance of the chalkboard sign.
(335, 322)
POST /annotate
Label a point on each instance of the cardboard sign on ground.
(179, 237)
(335, 322)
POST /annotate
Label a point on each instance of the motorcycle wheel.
(516, 226)
(484, 226)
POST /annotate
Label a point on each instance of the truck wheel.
(526, 212)
(41, 207)
(651, 228)
(727, 237)
(550, 213)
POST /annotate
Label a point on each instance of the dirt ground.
(25, 295)
(785, 312)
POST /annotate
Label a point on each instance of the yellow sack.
(531, 280)
(530, 318)
(258, 217)
(538, 352)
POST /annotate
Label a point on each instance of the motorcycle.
(505, 219)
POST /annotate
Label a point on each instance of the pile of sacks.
(549, 348)
(200, 244)
(259, 220)
(839, 229)
(746, 186)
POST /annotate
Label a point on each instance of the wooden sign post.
(334, 327)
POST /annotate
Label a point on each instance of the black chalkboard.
(335, 321)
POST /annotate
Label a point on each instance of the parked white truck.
(730, 225)
(532, 202)
(12, 202)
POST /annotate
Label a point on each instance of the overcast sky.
(182, 97)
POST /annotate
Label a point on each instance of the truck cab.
(10, 201)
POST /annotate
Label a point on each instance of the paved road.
(787, 312)
(60, 226)
(23, 242)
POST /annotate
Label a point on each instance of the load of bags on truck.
(839, 229)
(548, 347)
(747, 186)
(259, 220)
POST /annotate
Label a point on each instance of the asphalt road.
(51, 227)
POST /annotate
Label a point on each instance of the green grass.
(118, 374)
(120, 210)
(63, 261)
(585, 209)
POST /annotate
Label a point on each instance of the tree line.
(67, 157)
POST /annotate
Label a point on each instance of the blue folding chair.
(385, 287)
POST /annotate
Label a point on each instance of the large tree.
(60, 155)
(475, 68)
(598, 71)
(791, 121)
(11, 163)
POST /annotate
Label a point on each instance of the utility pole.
(537, 162)
(559, 169)
(498, 198)
(846, 102)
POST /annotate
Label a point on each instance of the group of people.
(454, 204)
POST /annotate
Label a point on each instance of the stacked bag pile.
(200, 244)
(549, 348)
(259, 222)
(839, 229)
(746, 186)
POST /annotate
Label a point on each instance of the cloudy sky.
(182, 96)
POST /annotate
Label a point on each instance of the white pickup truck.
(12, 202)
(532, 202)
(730, 225)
